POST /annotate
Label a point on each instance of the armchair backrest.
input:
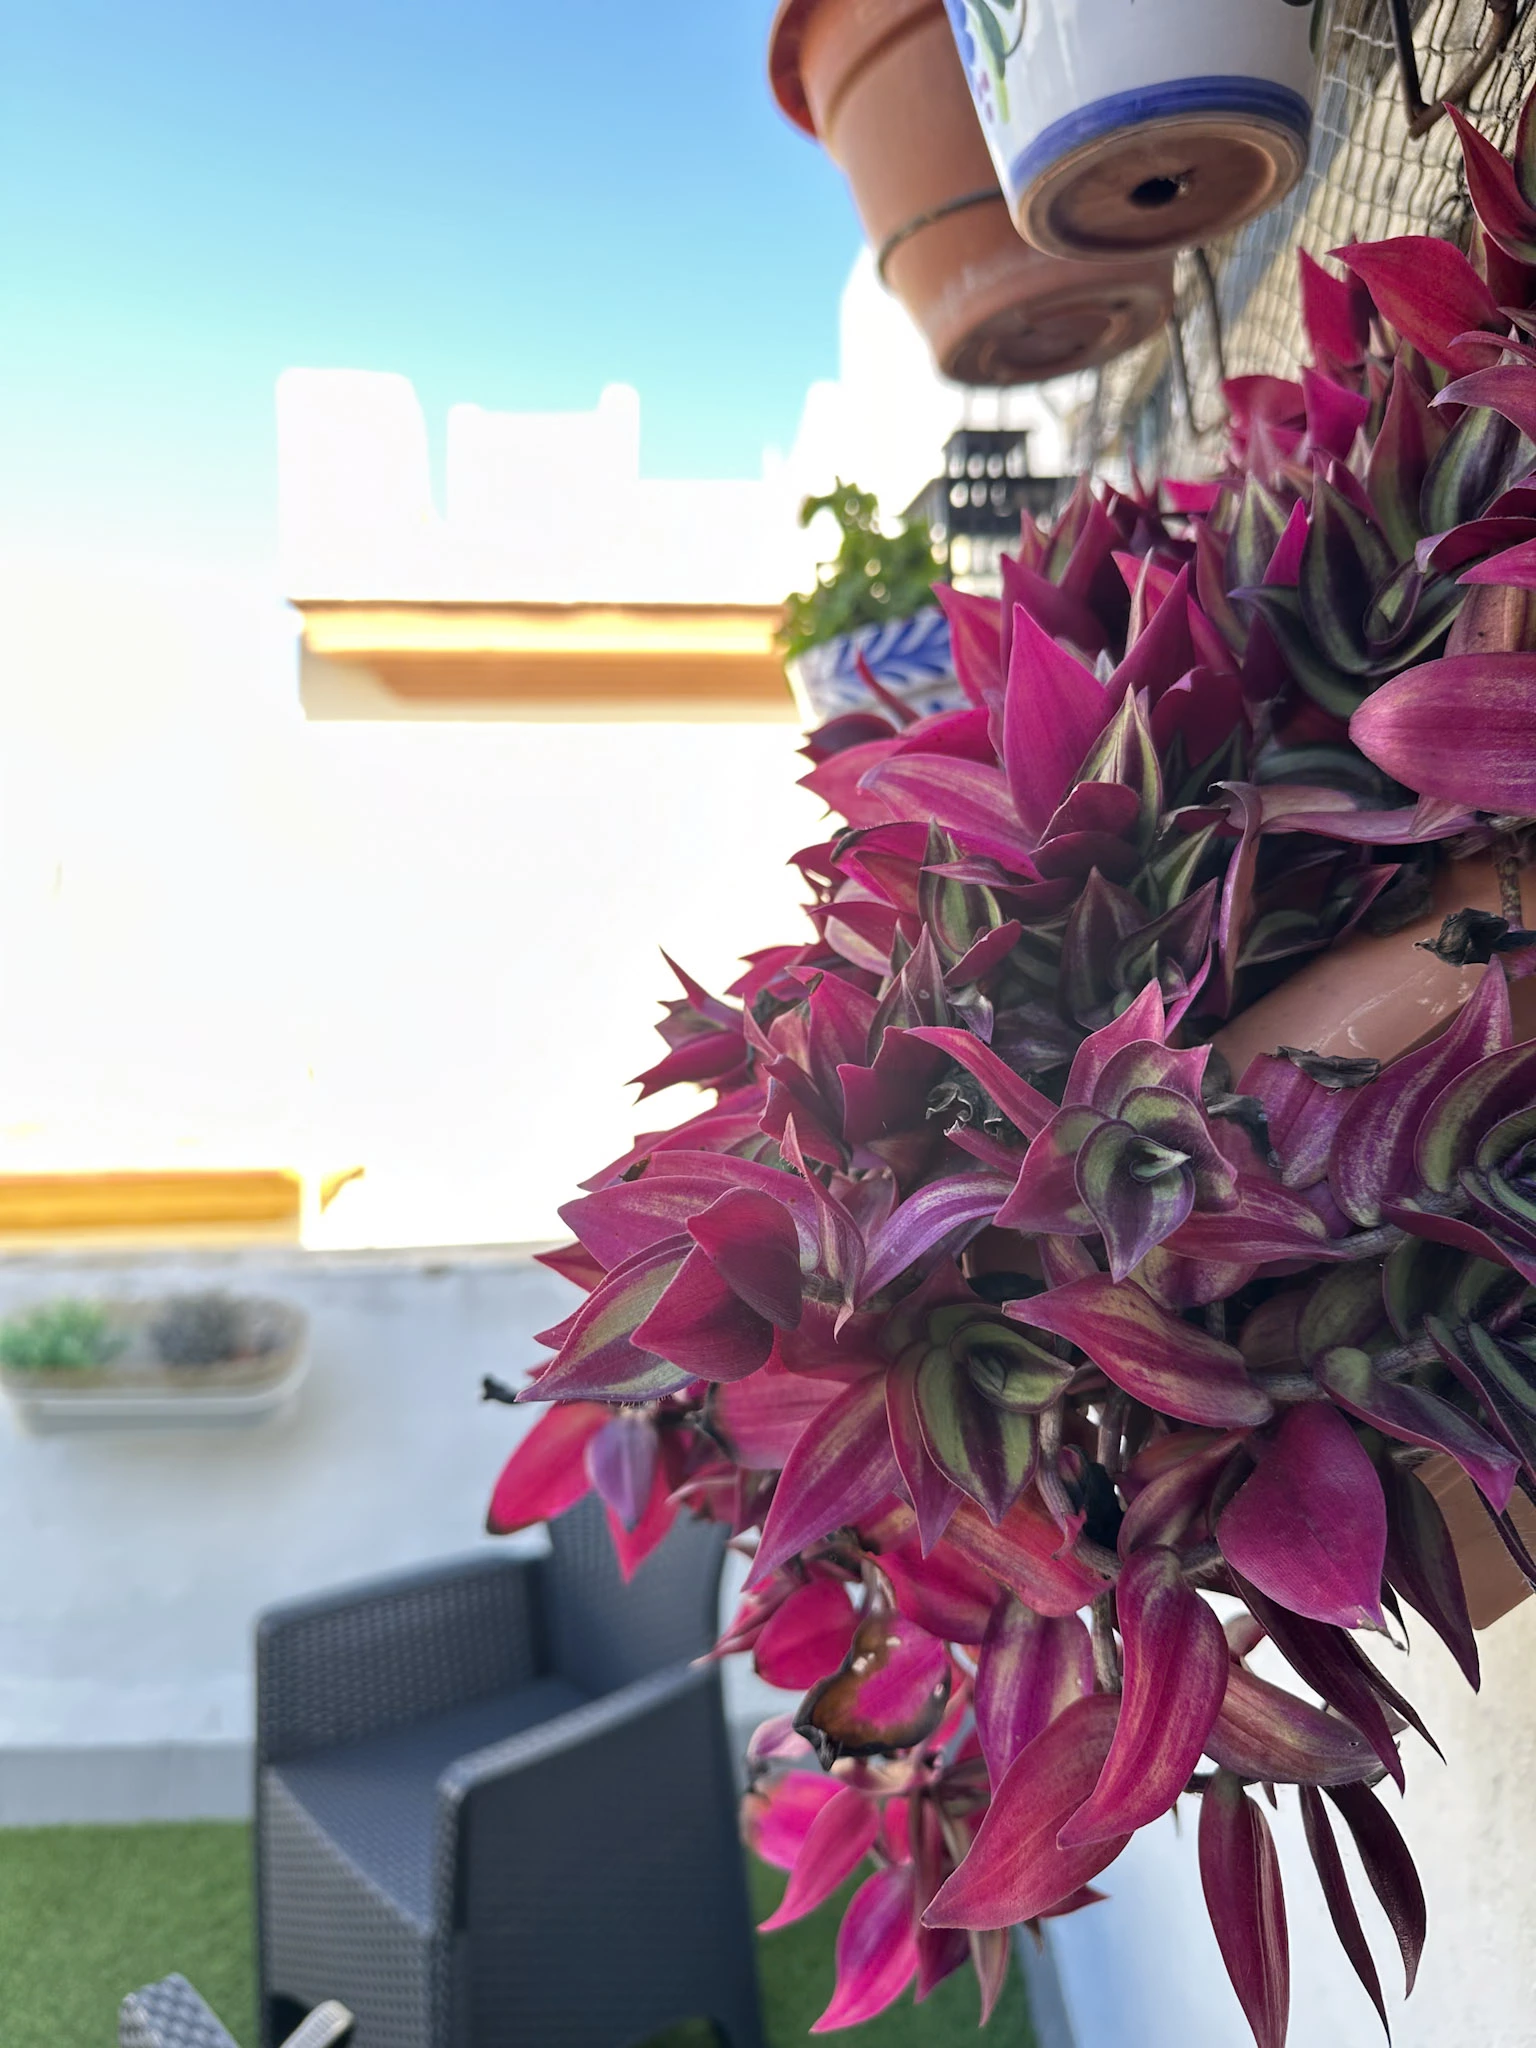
(603, 1633)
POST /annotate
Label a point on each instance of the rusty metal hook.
(1423, 115)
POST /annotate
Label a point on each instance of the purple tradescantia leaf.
(1336, 322)
(972, 800)
(1046, 1199)
(1016, 1869)
(836, 1843)
(842, 1241)
(1408, 442)
(1021, 1553)
(1431, 294)
(1329, 1661)
(1057, 611)
(547, 1472)
(1023, 1106)
(876, 1950)
(1164, 1508)
(621, 1464)
(975, 631)
(1133, 1214)
(1240, 1874)
(752, 1242)
(777, 1821)
(945, 1213)
(1334, 416)
(1466, 1111)
(933, 1494)
(1055, 710)
(1416, 1417)
(1459, 729)
(1153, 1355)
(1341, 1907)
(1266, 1733)
(599, 1360)
(805, 1637)
(703, 1326)
(988, 954)
(1309, 1527)
(1373, 1152)
(617, 1222)
(1141, 1020)
(986, 1451)
(1506, 217)
(1422, 1567)
(1031, 1668)
(1303, 1116)
(1175, 1675)
(761, 1419)
(889, 1694)
(1388, 1865)
(1509, 389)
(838, 1471)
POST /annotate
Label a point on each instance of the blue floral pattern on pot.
(910, 657)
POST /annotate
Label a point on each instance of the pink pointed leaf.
(1140, 1021)
(1329, 1866)
(547, 1472)
(1373, 1153)
(838, 1471)
(1175, 1658)
(1055, 710)
(1415, 1416)
(1016, 1868)
(1430, 293)
(807, 1637)
(1263, 1732)
(839, 1838)
(971, 799)
(1021, 1554)
(1390, 1869)
(876, 1950)
(762, 1418)
(755, 1248)
(621, 1464)
(1309, 1528)
(1025, 1107)
(776, 1822)
(945, 1213)
(1154, 1356)
(703, 1326)
(599, 1359)
(1240, 1874)
(1031, 1668)
(1459, 729)
(933, 1494)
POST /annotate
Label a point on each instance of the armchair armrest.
(395, 1650)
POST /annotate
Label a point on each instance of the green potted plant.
(870, 613)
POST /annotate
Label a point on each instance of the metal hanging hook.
(1422, 115)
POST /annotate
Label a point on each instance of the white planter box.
(138, 1391)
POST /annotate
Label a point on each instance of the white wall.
(1145, 1968)
(230, 937)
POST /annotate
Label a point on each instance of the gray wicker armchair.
(495, 1804)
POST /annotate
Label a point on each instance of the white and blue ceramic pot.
(909, 657)
(1125, 127)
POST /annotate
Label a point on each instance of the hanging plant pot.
(1120, 127)
(879, 84)
(1378, 998)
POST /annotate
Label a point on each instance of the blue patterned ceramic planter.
(1122, 127)
(911, 657)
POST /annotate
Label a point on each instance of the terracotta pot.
(1378, 999)
(880, 84)
(1490, 1578)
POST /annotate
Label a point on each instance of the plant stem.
(1506, 861)
(1106, 1651)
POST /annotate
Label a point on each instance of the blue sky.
(512, 203)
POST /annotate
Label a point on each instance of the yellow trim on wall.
(150, 1200)
(542, 661)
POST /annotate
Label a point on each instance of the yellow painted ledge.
(267, 1202)
(541, 661)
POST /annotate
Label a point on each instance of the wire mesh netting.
(1369, 177)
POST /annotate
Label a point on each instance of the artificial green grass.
(87, 1914)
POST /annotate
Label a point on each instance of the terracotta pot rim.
(785, 38)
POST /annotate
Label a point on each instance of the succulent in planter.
(201, 1330)
(59, 1336)
(1000, 1320)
